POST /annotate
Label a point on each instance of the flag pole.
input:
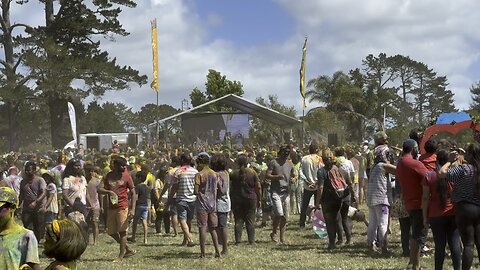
(303, 126)
(302, 88)
(154, 84)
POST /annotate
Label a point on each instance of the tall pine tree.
(66, 58)
(475, 92)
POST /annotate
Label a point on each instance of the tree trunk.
(58, 122)
(13, 124)
(11, 100)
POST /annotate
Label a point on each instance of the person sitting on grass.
(65, 241)
(205, 188)
(141, 211)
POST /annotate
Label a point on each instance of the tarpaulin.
(452, 118)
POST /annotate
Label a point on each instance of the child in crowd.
(65, 241)
(94, 202)
(161, 209)
(141, 210)
(51, 206)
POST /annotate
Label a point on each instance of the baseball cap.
(410, 144)
(8, 195)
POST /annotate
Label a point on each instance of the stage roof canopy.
(247, 107)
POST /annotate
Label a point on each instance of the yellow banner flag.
(302, 72)
(154, 83)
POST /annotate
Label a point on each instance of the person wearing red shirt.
(438, 211)
(117, 184)
(429, 159)
(410, 173)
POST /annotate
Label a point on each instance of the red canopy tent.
(452, 123)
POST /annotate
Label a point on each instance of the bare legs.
(134, 230)
(223, 239)
(121, 238)
(187, 236)
(279, 223)
(202, 236)
(414, 254)
(95, 232)
(145, 230)
(174, 219)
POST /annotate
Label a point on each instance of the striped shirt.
(464, 184)
(184, 177)
(379, 187)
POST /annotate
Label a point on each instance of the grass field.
(304, 250)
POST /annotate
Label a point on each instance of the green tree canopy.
(264, 132)
(106, 118)
(475, 93)
(66, 59)
(217, 86)
(150, 113)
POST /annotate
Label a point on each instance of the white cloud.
(440, 33)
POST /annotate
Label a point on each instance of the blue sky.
(245, 23)
(258, 42)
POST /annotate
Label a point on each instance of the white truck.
(101, 141)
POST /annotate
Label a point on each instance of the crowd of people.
(64, 198)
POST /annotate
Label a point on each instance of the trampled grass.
(305, 250)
